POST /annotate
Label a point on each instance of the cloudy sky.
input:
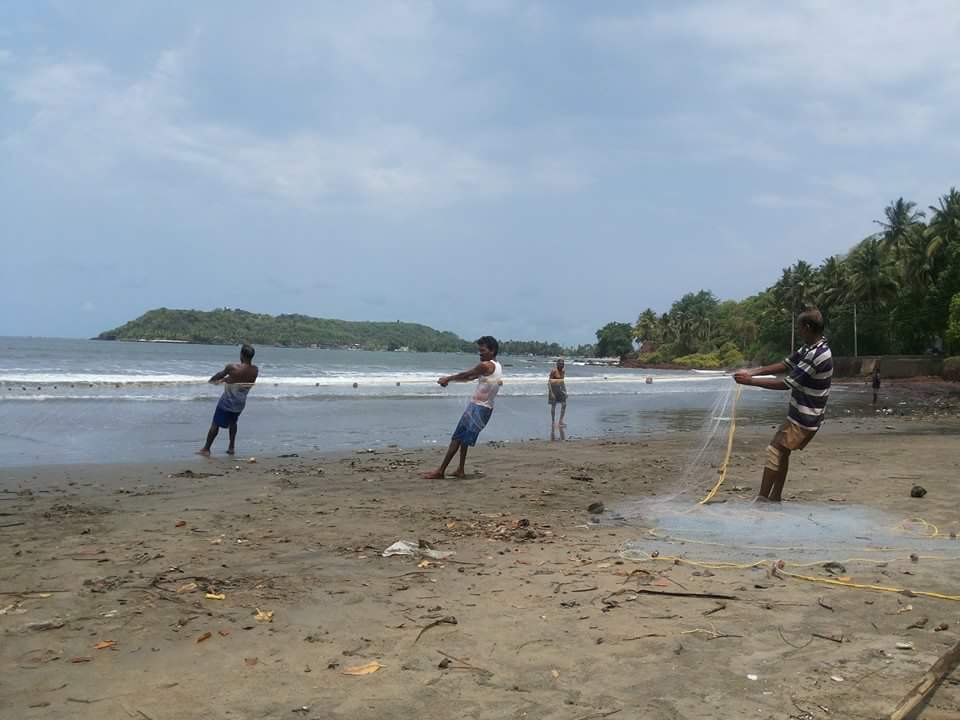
(526, 169)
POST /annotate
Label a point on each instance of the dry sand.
(548, 623)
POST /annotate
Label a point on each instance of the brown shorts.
(791, 436)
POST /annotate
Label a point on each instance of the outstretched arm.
(750, 377)
(484, 368)
(221, 376)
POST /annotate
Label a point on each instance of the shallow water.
(71, 401)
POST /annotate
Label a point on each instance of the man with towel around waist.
(489, 375)
(809, 373)
(237, 381)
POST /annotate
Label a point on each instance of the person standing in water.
(876, 382)
(489, 375)
(810, 373)
(557, 393)
(237, 379)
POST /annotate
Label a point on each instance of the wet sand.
(535, 616)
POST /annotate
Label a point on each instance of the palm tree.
(944, 228)
(647, 327)
(915, 265)
(872, 280)
(900, 221)
(833, 283)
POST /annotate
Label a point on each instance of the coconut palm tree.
(833, 283)
(944, 228)
(901, 219)
(872, 279)
(647, 327)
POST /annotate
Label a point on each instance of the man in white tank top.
(489, 376)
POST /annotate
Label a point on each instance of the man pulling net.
(489, 375)
(237, 379)
(810, 370)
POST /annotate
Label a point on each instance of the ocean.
(86, 401)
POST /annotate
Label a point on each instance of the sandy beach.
(230, 589)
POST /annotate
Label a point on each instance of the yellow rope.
(875, 588)
(726, 459)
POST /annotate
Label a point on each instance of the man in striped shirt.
(809, 371)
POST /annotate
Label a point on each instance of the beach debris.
(250, 661)
(366, 669)
(941, 627)
(595, 508)
(930, 680)
(405, 548)
(51, 624)
(461, 664)
(905, 609)
(719, 606)
(448, 620)
(215, 596)
(834, 568)
(918, 491)
(919, 624)
(263, 616)
(252, 461)
(180, 523)
(914, 557)
(81, 659)
(289, 455)
(752, 677)
(836, 678)
(187, 587)
(824, 604)
(105, 645)
(831, 638)
(205, 636)
(904, 646)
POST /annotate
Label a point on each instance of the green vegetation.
(614, 339)
(895, 292)
(233, 327)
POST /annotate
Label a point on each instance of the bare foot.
(231, 451)
(204, 452)
(433, 475)
(763, 500)
(460, 474)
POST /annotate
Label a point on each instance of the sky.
(530, 170)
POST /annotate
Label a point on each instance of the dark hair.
(490, 342)
(247, 351)
(812, 319)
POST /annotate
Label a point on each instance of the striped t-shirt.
(811, 368)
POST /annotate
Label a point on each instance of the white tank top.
(488, 386)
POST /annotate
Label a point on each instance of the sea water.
(78, 401)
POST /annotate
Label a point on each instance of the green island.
(226, 326)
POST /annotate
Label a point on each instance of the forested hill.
(233, 327)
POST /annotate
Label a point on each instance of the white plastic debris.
(412, 549)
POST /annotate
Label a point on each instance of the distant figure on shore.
(876, 382)
(489, 376)
(557, 393)
(237, 379)
(810, 373)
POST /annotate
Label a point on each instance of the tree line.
(897, 291)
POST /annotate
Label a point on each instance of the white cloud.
(839, 73)
(87, 120)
